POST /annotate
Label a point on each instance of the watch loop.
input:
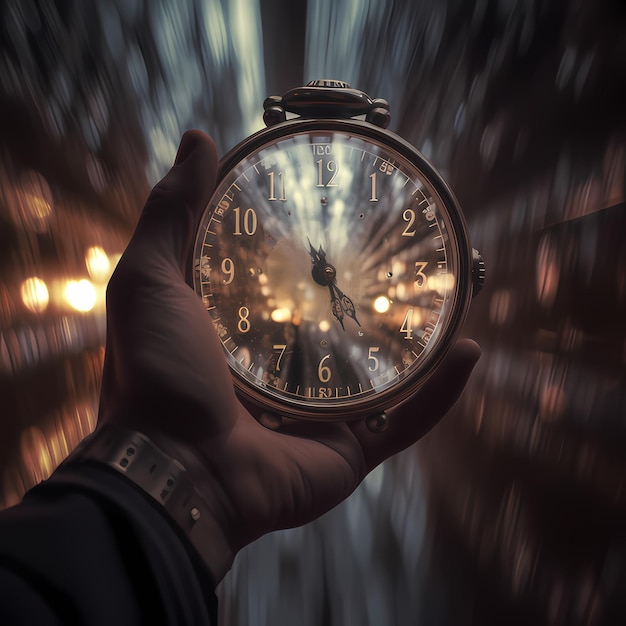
(162, 477)
(326, 99)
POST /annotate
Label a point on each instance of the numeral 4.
(407, 325)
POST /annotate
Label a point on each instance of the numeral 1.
(373, 197)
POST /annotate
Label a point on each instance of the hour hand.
(323, 272)
(318, 257)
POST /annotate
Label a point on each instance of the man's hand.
(165, 375)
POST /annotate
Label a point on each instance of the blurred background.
(513, 510)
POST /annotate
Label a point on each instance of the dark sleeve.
(88, 547)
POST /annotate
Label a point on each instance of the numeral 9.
(228, 268)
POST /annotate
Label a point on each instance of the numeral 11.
(281, 182)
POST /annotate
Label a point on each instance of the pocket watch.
(333, 260)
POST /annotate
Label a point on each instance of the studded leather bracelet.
(163, 478)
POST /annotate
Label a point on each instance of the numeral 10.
(245, 224)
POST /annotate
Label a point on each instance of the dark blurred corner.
(513, 510)
(529, 474)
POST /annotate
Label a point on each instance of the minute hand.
(341, 304)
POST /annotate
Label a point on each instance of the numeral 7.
(280, 347)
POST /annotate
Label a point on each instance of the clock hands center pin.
(325, 275)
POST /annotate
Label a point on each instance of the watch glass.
(333, 263)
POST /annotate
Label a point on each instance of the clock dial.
(328, 264)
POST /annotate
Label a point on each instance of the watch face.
(333, 263)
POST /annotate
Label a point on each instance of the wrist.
(166, 481)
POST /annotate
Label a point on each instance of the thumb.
(417, 415)
(168, 223)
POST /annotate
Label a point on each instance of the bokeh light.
(98, 264)
(35, 294)
(281, 315)
(80, 294)
(381, 304)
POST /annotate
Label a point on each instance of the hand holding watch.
(332, 272)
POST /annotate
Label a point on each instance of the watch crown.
(478, 272)
(325, 82)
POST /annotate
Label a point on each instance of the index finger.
(168, 223)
